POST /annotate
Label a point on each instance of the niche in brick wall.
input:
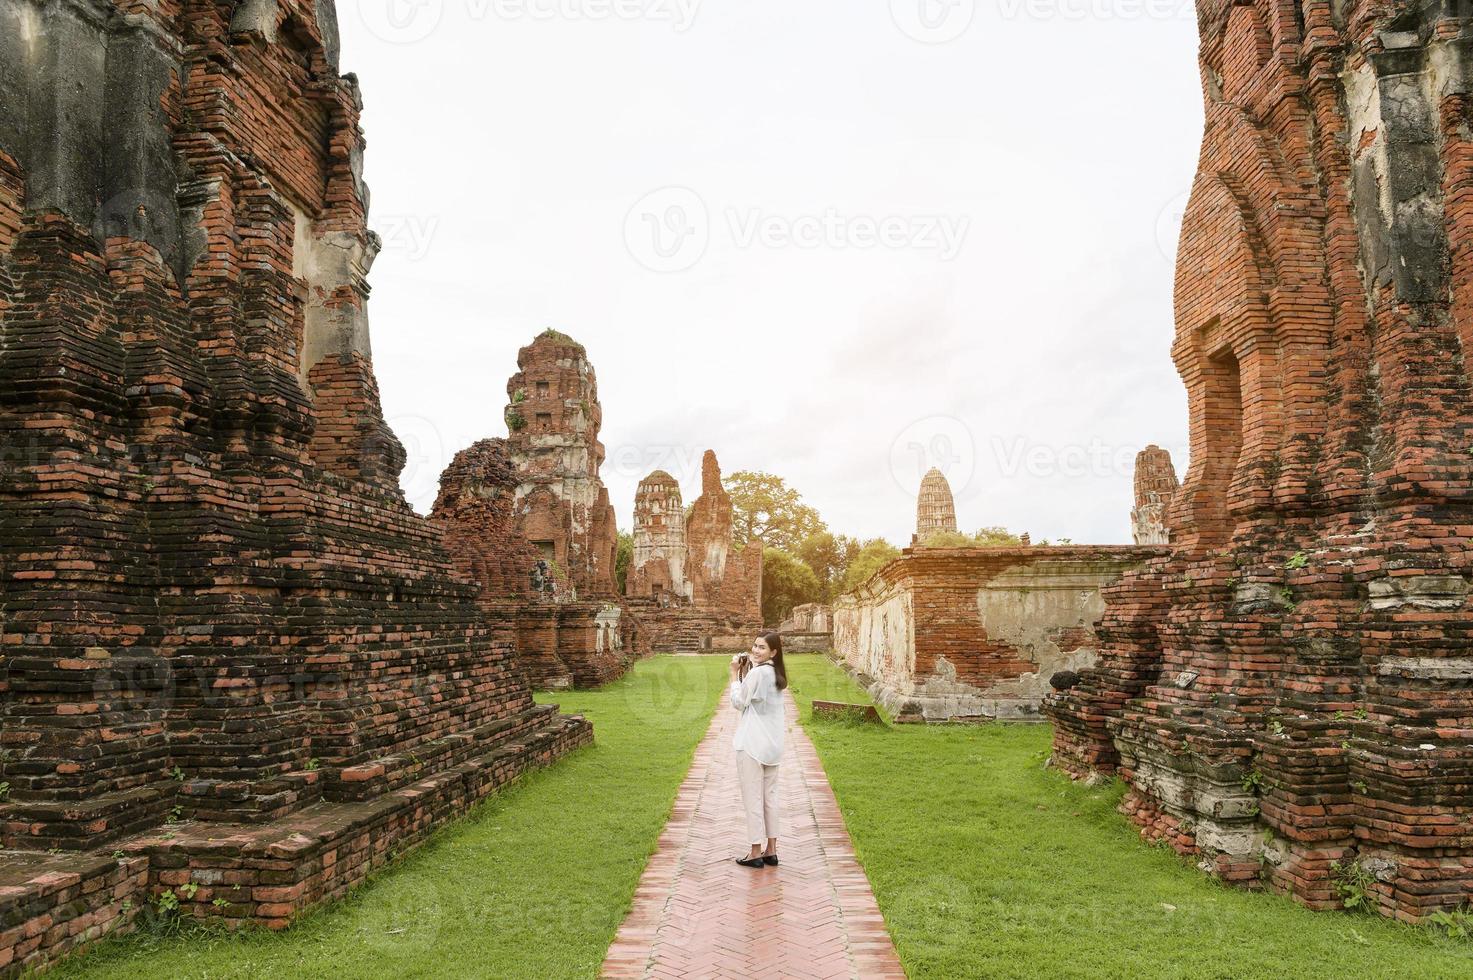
(333, 269)
(1222, 403)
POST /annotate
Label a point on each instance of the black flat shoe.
(755, 862)
(769, 859)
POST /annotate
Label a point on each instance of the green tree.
(623, 558)
(987, 537)
(947, 539)
(874, 555)
(786, 582)
(828, 555)
(997, 537)
(765, 507)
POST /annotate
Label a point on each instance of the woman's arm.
(744, 692)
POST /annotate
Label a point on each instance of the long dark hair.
(774, 643)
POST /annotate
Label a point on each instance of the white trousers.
(759, 797)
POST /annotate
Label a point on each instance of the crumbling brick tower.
(553, 419)
(935, 508)
(1289, 691)
(1155, 486)
(689, 587)
(476, 514)
(721, 577)
(215, 599)
(658, 564)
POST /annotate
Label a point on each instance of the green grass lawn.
(533, 884)
(985, 864)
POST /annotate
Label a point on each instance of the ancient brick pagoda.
(935, 508)
(1288, 693)
(219, 611)
(711, 595)
(657, 568)
(721, 575)
(528, 519)
(553, 418)
(1155, 486)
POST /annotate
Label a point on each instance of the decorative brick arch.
(1253, 323)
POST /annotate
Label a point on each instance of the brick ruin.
(657, 569)
(1155, 485)
(553, 418)
(935, 508)
(809, 628)
(529, 520)
(970, 634)
(721, 575)
(689, 586)
(1287, 694)
(560, 642)
(233, 656)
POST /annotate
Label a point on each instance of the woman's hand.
(736, 666)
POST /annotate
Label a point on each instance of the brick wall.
(944, 634)
(690, 588)
(1289, 690)
(218, 608)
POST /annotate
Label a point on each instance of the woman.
(757, 682)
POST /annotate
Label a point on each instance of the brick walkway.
(696, 908)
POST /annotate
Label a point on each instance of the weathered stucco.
(975, 633)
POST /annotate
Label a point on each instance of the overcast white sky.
(837, 240)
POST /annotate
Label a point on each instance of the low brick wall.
(54, 904)
(956, 634)
(808, 642)
(690, 629)
(51, 905)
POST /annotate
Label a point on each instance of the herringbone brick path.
(697, 914)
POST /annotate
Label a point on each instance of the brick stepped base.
(378, 776)
(686, 629)
(91, 822)
(50, 905)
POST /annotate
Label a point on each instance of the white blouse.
(760, 731)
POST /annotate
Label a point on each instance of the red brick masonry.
(1288, 694)
(949, 634)
(229, 648)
